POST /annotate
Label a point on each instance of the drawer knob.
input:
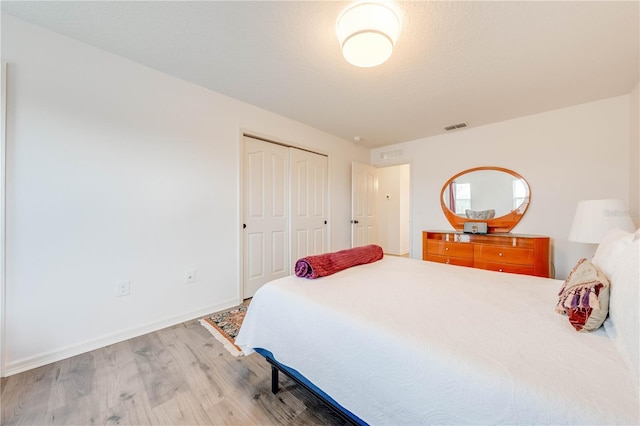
(500, 270)
(500, 254)
(446, 248)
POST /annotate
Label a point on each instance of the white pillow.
(623, 324)
(614, 243)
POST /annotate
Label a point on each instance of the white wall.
(566, 155)
(393, 213)
(118, 172)
(634, 155)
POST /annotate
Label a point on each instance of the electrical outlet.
(190, 276)
(123, 288)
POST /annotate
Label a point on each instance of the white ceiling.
(479, 62)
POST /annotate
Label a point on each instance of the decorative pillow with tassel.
(584, 297)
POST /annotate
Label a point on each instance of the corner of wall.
(3, 127)
(634, 155)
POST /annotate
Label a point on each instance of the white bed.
(403, 341)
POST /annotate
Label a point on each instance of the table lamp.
(594, 218)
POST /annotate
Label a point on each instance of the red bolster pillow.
(325, 264)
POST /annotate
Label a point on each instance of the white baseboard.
(48, 357)
(392, 253)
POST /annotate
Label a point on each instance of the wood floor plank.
(159, 374)
(283, 407)
(195, 363)
(315, 409)
(132, 410)
(116, 368)
(234, 412)
(120, 389)
(25, 396)
(216, 385)
(73, 398)
(178, 375)
(247, 386)
(307, 417)
(183, 409)
(74, 379)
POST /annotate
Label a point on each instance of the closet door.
(266, 209)
(309, 199)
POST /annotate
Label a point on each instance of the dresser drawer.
(446, 248)
(514, 253)
(504, 267)
(501, 254)
(459, 261)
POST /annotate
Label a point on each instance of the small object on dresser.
(475, 227)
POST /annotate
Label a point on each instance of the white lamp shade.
(594, 218)
(367, 33)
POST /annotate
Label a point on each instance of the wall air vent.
(388, 155)
(455, 126)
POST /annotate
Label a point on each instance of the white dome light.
(367, 33)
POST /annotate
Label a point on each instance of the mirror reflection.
(485, 194)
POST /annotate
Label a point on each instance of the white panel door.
(364, 195)
(309, 198)
(266, 209)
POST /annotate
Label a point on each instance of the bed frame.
(344, 414)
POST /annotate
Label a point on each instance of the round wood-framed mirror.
(494, 195)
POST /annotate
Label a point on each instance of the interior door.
(364, 195)
(266, 207)
(309, 199)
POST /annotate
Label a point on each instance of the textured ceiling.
(479, 62)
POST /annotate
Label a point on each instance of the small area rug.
(225, 325)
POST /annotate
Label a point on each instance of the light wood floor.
(176, 376)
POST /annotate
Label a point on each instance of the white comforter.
(403, 341)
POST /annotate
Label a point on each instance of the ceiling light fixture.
(367, 32)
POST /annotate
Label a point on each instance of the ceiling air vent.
(455, 126)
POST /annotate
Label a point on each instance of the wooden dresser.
(515, 253)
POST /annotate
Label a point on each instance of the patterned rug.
(225, 325)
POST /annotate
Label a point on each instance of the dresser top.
(504, 234)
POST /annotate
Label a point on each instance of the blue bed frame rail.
(276, 367)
